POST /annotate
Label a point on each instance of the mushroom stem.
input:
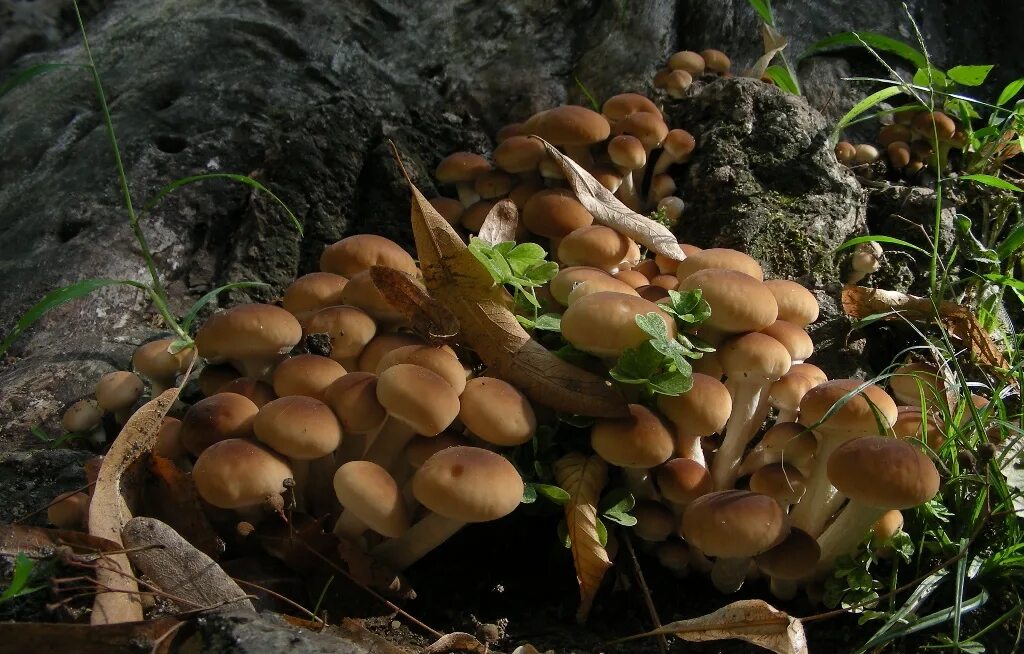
(627, 191)
(352, 448)
(786, 415)
(688, 447)
(662, 163)
(391, 439)
(467, 194)
(400, 553)
(580, 154)
(746, 397)
(846, 533)
(258, 369)
(814, 508)
(784, 589)
(640, 483)
(729, 574)
(350, 528)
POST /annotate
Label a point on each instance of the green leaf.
(782, 78)
(1010, 91)
(617, 500)
(38, 432)
(931, 78)
(652, 324)
(243, 179)
(991, 180)
(602, 532)
(636, 365)
(550, 322)
(670, 383)
(190, 317)
(623, 519)
(876, 41)
(563, 534)
(881, 239)
(23, 567)
(529, 494)
(58, 297)
(862, 106)
(764, 10)
(552, 493)
(541, 273)
(969, 75)
(688, 308)
(1013, 242)
(32, 72)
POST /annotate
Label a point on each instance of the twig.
(645, 591)
(282, 598)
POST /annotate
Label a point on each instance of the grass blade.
(243, 179)
(190, 317)
(764, 10)
(875, 40)
(881, 239)
(1010, 91)
(57, 298)
(594, 104)
(862, 106)
(782, 78)
(32, 72)
(991, 180)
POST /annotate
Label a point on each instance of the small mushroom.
(700, 412)
(306, 374)
(85, 417)
(68, 510)
(796, 304)
(360, 252)
(310, 293)
(497, 412)
(353, 398)
(866, 259)
(216, 418)
(236, 474)
(252, 337)
(788, 562)
(154, 362)
(371, 500)
(117, 392)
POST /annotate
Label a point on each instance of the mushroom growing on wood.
(117, 392)
(155, 363)
(252, 337)
(236, 474)
(217, 418)
(371, 500)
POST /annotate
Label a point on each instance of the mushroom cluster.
(914, 140)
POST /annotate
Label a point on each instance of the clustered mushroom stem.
(580, 154)
(729, 574)
(400, 553)
(258, 369)
(738, 431)
(467, 194)
(349, 527)
(812, 511)
(627, 191)
(353, 447)
(663, 162)
(847, 532)
(784, 589)
(391, 439)
(688, 447)
(640, 483)
(786, 415)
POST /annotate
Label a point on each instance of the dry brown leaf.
(171, 496)
(430, 319)
(109, 513)
(37, 541)
(501, 223)
(457, 641)
(583, 478)
(176, 567)
(610, 212)
(754, 621)
(154, 636)
(860, 302)
(774, 43)
(454, 277)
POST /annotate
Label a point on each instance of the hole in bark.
(170, 144)
(71, 228)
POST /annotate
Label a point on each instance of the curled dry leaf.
(173, 565)
(430, 319)
(754, 621)
(171, 496)
(774, 43)
(154, 636)
(860, 302)
(583, 478)
(457, 641)
(109, 513)
(454, 277)
(610, 212)
(37, 541)
(501, 223)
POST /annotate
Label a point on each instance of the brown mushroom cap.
(715, 61)
(213, 377)
(793, 558)
(606, 284)
(754, 357)
(719, 258)
(886, 527)
(371, 494)
(493, 184)
(785, 442)
(354, 254)
(441, 360)
(683, 480)
(312, 292)
(299, 427)
(472, 219)
(912, 423)
(154, 361)
(787, 392)
(570, 125)
(236, 473)
(634, 278)
(650, 128)
(217, 418)
(555, 213)
(461, 167)
(259, 392)
(785, 483)
(846, 153)
(417, 397)
(619, 106)
(793, 337)
(68, 510)
(168, 440)
(734, 523)
(595, 245)
(911, 380)
(421, 448)
(856, 417)
(654, 522)
(450, 209)
(118, 390)
(468, 484)
(604, 324)
(701, 411)
(349, 328)
(248, 331)
(361, 292)
(519, 154)
(739, 303)
(687, 60)
(353, 398)
(381, 345)
(306, 374)
(886, 473)
(640, 441)
(563, 283)
(83, 415)
(497, 412)
(927, 125)
(796, 304)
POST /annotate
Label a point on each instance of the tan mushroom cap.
(508, 131)
(472, 219)
(810, 370)
(890, 524)
(667, 282)
(493, 184)
(926, 125)
(421, 448)
(894, 132)
(603, 324)
(679, 144)
(885, 473)
(683, 480)
(650, 128)
(715, 61)
(372, 495)
(68, 510)
(461, 167)
(259, 392)
(627, 152)
(360, 252)
(353, 398)
(607, 284)
(652, 293)
(468, 484)
(313, 292)
(619, 106)
(298, 427)
(236, 473)
(912, 423)
(785, 442)
(793, 558)
(633, 278)
(687, 60)
(753, 358)
(417, 397)
(846, 153)
(154, 361)
(441, 360)
(497, 412)
(796, 304)
(640, 441)
(349, 328)
(451, 210)
(784, 483)
(563, 283)
(381, 345)
(555, 213)
(719, 258)
(306, 374)
(701, 411)
(519, 154)
(361, 292)
(787, 392)
(168, 440)
(570, 125)
(217, 418)
(911, 380)
(739, 303)
(213, 377)
(734, 523)
(793, 337)
(676, 83)
(118, 390)
(83, 415)
(856, 417)
(248, 331)
(654, 522)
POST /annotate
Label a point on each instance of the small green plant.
(23, 567)
(56, 441)
(522, 268)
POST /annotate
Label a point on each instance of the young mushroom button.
(353, 398)
(739, 303)
(306, 374)
(235, 474)
(497, 412)
(117, 392)
(217, 418)
(371, 499)
(312, 292)
(796, 304)
(154, 362)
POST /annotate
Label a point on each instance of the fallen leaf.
(860, 302)
(457, 641)
(176, 567)
(153, 636)
(754, 621)
(429, 318)
(454, 277)
(610, 212)
(583, 478)
(109, 512)
(774, 43)
(37, 541)
(500, 224)
(171, 496)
